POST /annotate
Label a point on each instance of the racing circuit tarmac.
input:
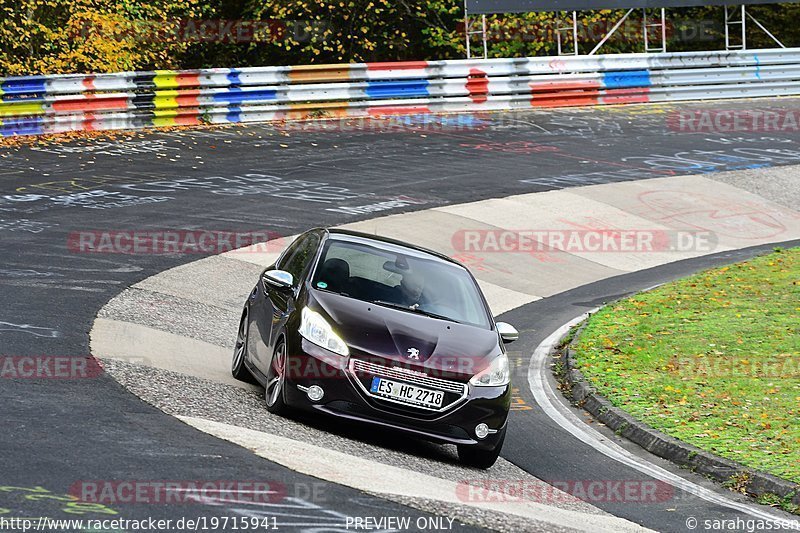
(60, 433)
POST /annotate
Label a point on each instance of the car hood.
(406, 337)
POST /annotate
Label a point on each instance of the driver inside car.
(410, 289)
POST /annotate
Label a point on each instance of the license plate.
(406, 393)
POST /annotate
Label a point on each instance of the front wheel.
(478, 458)
(238, 368)
(276, 380)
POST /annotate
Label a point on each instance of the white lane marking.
(549, 400)
(36, 331)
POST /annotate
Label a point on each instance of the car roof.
(376, 240)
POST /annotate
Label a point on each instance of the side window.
(289, 252)
(296, 261)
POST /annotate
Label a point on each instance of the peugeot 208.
(382, 332)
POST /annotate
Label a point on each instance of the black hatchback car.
(379, 331)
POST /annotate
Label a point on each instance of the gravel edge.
(176, 394)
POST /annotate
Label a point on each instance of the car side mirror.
(508, 333)
(279, 278)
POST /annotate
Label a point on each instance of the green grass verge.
(713, 360)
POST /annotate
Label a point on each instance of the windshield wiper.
(414, 309)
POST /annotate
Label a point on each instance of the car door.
(279, 302)
(261, 314)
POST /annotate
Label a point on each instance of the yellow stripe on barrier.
(162, 122)
(164, 113)
(176, 119)
(12, 109)
(166, 99)
(166, 79)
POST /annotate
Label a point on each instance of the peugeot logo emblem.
(413, 353)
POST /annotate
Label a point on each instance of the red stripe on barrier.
(91, 104)
(477, 85)
(188, 80)
(398, 65)
(636, 95)
(565, 94)
(89, 122)
(187, 120)
(566, 100)
(188, 98)
(88, 83)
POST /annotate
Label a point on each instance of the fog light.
(315, 393)
(481, 430)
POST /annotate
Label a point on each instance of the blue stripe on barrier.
(234, 115)
(237, 96)
(621, 79)
(23, 126)
(233, 77)
(27, 84)
(391, 89)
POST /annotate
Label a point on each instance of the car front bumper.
(344, 398)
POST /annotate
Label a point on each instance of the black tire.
(276, 381)
(478, 458)
(238, 368)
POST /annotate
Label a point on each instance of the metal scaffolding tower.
(469, 31)
(566, 30)
(739, 27)
(654, 21)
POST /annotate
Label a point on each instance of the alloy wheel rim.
(241, 344)
(275, 385)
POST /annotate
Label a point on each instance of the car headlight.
(496, 375)
(316, 329)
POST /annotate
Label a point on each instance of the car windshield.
(405, 281)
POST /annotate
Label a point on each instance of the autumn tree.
(61, 36)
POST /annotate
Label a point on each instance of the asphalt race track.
(61, 433)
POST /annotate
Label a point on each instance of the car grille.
(409, 376)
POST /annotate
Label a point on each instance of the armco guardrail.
(52, 104)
